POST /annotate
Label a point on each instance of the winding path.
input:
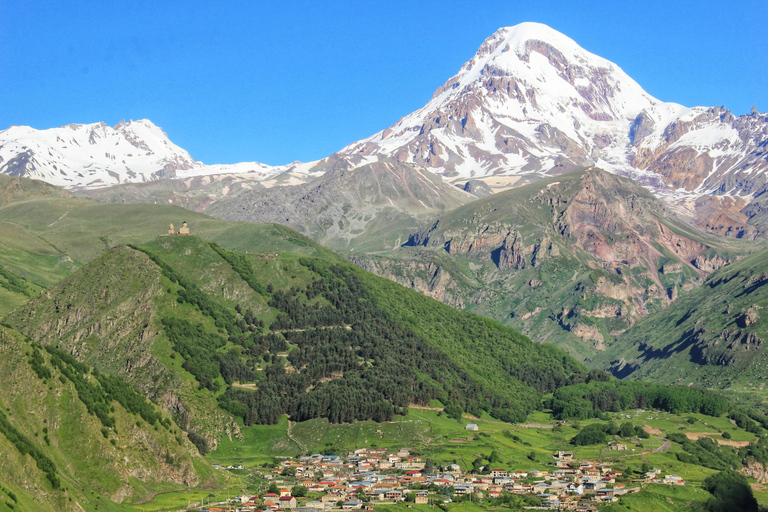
(664, 447)
(295, 440)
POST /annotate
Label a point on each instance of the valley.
(545, 288)
(269, 316)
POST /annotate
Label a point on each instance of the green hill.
(233, 332)
(75, 439)
(713, 336)
(184, 318)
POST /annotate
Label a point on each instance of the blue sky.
(280, 81)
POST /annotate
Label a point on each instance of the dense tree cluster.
(198, 348)
(730, 493)
(492, 354)
(37, 362)
(589, 400)
(14, 283)
(749, 420)
(352, 362)
(25, 446)
(598, 433)
(708, 453)
(240, 264)
(98, 396)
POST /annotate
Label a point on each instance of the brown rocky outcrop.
(756, 470)
(709, 264)
(589, 333)
(749, 317)
(511, 253)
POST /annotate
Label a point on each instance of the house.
(271, 497)
(617, 446)
(472, 426)
(394, 495)
(315, 504)
(674, 480)
(460, 490)
(497, 473)
(593, 486)
(421, 499)
(352, 505)
(287, 502)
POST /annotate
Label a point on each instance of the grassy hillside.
(712, 336)
(73, 439)
(15, 190)
(45, 235)
(132, 313)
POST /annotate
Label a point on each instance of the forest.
(588, 400)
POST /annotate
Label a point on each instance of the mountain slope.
(183, 319)
(569, 260)
(713, 336)
(350, 206)
(530, 103)
(83, 452)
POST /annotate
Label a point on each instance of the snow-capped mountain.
(97, 155)
(533, 102)
(530, 103)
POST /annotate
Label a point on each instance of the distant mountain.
(97, 155)
(368, 207)
(530, 103)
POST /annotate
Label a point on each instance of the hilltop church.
(183, 230)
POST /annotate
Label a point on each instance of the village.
(369, 477)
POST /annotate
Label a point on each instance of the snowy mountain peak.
(530, 100)
(98, 155)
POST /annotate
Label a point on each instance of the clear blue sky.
(274, 82)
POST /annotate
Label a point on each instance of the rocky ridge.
(582, 256)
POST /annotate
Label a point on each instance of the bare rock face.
(709, 264)
(510, 254)
(756, 470)
(424, 276)
(595, 246)
(476, 188)
(749, 317)
(641, 127)
(589, 333)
